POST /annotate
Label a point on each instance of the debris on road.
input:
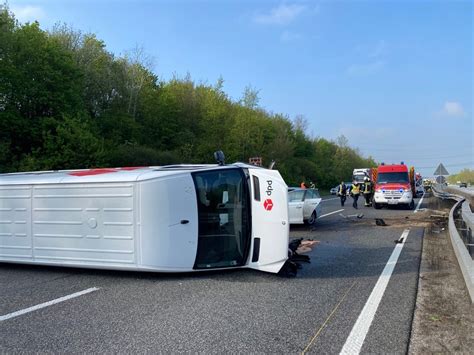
(438, 223)
(380, 222)
(295, 249)
(349, 216)
(306, 246)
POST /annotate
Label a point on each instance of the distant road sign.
(440, 179)
(441, 170)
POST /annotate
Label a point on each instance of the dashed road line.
(330, 213)
(46, 304)
(356, 338)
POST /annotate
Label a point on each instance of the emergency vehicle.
(359, 175)
(419, 189)
(176, 218)
(394, 186)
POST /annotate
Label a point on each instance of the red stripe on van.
(93, 172)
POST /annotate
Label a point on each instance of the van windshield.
(359, 177)
(224, 218)
(384, 178)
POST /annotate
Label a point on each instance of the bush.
(132, 155)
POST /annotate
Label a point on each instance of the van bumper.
(389, 198)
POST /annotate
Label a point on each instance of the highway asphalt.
(231, 311)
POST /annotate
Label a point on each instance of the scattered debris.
(438, 223)
(295, 247)
(359, 216)
(306, 246)
(380, 222)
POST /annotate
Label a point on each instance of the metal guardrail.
(466, 227)
(461, 234)
(465, 218)
(440, 192)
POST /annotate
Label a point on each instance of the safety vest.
(342, 189)
(367, 188)
(355, 189)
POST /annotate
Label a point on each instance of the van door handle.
(184, 221)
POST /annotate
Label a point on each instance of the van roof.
(123, 174)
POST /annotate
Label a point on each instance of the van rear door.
(270, 224)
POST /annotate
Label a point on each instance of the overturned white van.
(175, 218)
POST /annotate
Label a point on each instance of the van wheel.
(312, 220)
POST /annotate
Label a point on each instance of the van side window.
(256, 188)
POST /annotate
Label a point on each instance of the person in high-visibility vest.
(341, 192)
(355, 192)
(367, 191)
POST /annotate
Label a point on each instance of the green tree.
(67, 102)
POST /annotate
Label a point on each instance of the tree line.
(465, 175)
(66, 102)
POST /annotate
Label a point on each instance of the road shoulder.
(444, 317)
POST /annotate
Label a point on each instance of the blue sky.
(395, 77)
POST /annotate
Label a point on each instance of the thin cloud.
(288, 36)
(28, 13)
(452, 109)
(280, 15)
(372, 60)
(379, 50)
(366, 68)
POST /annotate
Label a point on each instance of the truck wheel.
(312, 220)
(377, 206)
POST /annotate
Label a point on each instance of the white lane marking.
(356, 338)
(46, 304)
(419, 203)
(330, 213)
(330, 199)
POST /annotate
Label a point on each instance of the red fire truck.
(394, 185)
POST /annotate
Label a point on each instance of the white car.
(304, 205)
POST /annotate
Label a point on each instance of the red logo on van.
(268, 204)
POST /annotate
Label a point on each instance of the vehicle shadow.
(327, 260)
